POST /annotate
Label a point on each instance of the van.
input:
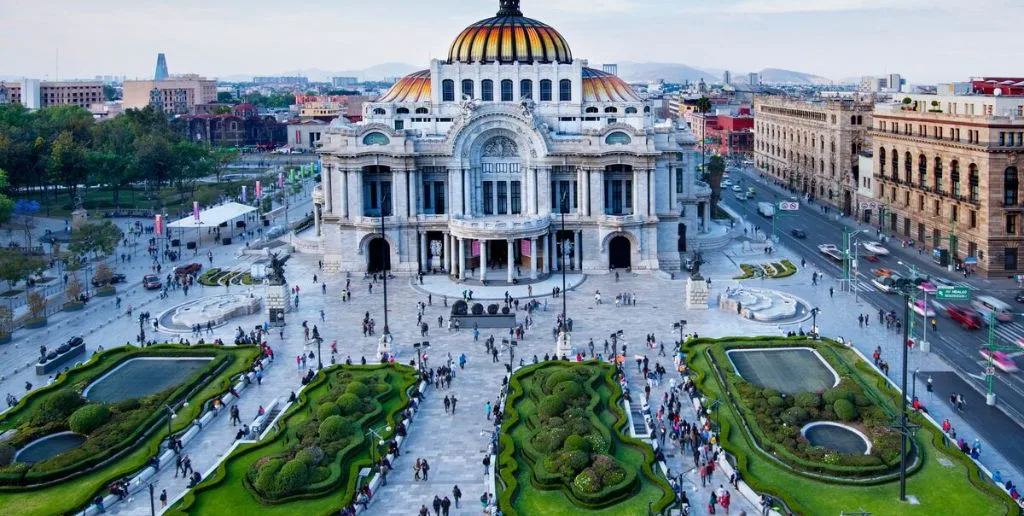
(988, 304)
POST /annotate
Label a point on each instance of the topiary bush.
(358, 388)
(807, 400)
(293, 476)
(266, 477)
(57, 406)
(335, 428)
(795, 416)
(349, 404)
(7, 453)
(576, 443)
(327, 410)
(550, 406)
(311, 456)
(845, 409)
(89, 418)
(830, 396)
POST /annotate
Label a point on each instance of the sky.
(925, 40)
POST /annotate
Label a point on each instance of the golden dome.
(509, 37)
(601, 86)
(414, 87)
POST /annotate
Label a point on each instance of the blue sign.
(970, 260)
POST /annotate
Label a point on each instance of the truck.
(766, 209)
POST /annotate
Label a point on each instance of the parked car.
(188, 269)
(969, 318)
(737, 188)
(875, 248)
(798, 233)
(116, 278)
(151, 282)
(742, 196)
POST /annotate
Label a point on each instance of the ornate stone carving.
(501, 147)
(435, 248)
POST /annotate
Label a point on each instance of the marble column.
(511, 260)
(326, 187)
(344, 193)
(580, 192)
(546, 247)
(533, 258)
(356, 192)
(424, 260)
(318, 214)
(578, 247)
(447, 253)
(586, 192)
(483, 260)
(462, 258)
(707, 217)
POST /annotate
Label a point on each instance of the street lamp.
(905, 288)
(924, 308)
(380, 442)
(680, 326)
(384, 262)
(564, 206)
(913, 383)
(511, 346)
(152, 502)
(170, 433)
(319, 340)
(420, 347)
(814, 320)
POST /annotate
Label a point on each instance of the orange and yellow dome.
(414, 87)
(601, 86)
(509, 37)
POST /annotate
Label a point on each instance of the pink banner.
(475, 249)
(158, 225)
(524, 247)
(280, 180)
(195, 210)
(259, 190)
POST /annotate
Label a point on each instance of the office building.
(754, 78)
(726, 77)
(36, 94)
(161, 68)
(177, 95)
(344, 82)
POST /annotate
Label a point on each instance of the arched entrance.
(378, 255)
(681, 241)
(619, 253)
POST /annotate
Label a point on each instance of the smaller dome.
(414, 87)
(599, 86)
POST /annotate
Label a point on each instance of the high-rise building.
(948, 172)
(895, 82)
(161, 68)
(726, 77)
(179, 94)
(812, 146)
(754, 78)
(36, 94)
(611, 68)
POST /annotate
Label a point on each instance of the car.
(188, 269)
(727, 182)
(737, 188)
(969, 318)
(1000, 360)
(741, 196)
(875, 248)
(798, 233)
(886, 284)
(920, 308)
(151, 282)
(1019, 297)
(116, 278)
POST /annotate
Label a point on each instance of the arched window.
(487, 90)
(590, 109)
(833, 146)
(565, 90)
(938, 174)
(422, 111)
(908, 164)
(610, 110)
(618, 138)
(1010, 184)
(954, 177)
(526, 89)
(447, 90)
(376, 139)
(922, 170)
(631, 111)
(881, 158)
(895, 164)
(506, 90)
(973, 181)
(467, 88)
(853, 120)
(379, 111)
(402, 111)
(860, 120)
(545, 90)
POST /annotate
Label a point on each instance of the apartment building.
(35, 94)
(177, 95)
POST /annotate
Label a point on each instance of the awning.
(213, 217)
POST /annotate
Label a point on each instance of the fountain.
(837, 437)
(49, 446)
(215, 309)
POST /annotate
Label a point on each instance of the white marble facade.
(469, 162)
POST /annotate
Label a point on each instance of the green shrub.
(807, 400)
(89, 418)
(597, 443)
(327, 410)
(311, 456)
(551, 406)
(335, 428)
(557, 377)
(127, 405)
(549, 439)
(845, 410)
(266, 477)
(577, 443)
(349, 404)
(358, 388)
(568, 391)
(830, 396)
(776, 402)
(293, 476)
(795, 416)
(587, 481)
(7, 453)
(57, 406)
(861, 400)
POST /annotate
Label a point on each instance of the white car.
(737, 188)
(727, 182)
(875, 248)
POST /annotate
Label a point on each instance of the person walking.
(487, 464)
(831, 292)
(445, 505)
(712, 502)
(417, 468)
(447, 404)
(454, 401)
(235, 417)
(488, 408)
(456, 494)
(437, 506)
(163, 498)
(425, 467)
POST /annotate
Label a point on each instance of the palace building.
(471, 166)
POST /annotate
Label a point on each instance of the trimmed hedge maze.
(309, 463)
(564, 450)
(761, 429)
(120, 437)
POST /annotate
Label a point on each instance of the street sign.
(990, 371)
(789, 206)
(953, 293)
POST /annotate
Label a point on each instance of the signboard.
(870, 205)
(970, 260)
(990, 371)
(789, 206)
(953, 293)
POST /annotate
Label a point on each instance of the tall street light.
(319, 340)
(680, 326)
(384, 261)
(814, 320)
(905, 288)
(565, 311)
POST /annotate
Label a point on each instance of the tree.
(74, 290)
(111, 158)
(98, 239)
(27, 209)
(36, 305)
(716, 168)
(103, 274)
(16, 266)
(109, 92)
(67, 164)
(225, 97)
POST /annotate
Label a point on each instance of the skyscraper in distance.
(161, 68)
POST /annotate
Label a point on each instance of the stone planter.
(38, 322)
(60, 360)
(105, 291)
(73, 306)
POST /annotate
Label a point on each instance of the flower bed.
(773, 270)
(121, 436)
(563, 447)
(309, 463)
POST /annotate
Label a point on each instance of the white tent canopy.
(213, 217)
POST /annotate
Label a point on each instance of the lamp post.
(152, 502)
(907, 285)
(913, 383)
(380, 442)
(924, 308)
(564, 206)
(319, 340)
(680, 326)
(384, 263)
(170, 433)
(420, 347)
(814, 320)
(511, 346)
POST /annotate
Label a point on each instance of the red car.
(188, 269)
(967, 317)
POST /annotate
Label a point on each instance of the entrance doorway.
(681, 242)
(619, 253)
(378, 255)
(497, 254)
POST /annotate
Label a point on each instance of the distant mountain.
(373, 73)
(670, 72)
(780, 76)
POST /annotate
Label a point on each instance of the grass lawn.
(226, 492)
(525, 497)
(75, 493)
(940, 489)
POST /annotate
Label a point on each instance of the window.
(908, 162)
(937, 207)
(1009, 257)
(487, 90)
(502, 197)
(895, 164)
(881, 158)
(422, 111)
(938, 174)
(954, 177)
(467, 88)
(973, 219)
(376, 139)
(1002, 138)
(526, 89)
(379, 111)
(954, 213)
(515, 198)
(1010, 186)
(920, 203)
(610, 110)
(591, 109)
(565, 90)
(679, 180)
(447, 90)
(631, 111)
(972, 181)
(922, 171)
(618, 138)
(545, 90)
(402, 111)
(506, 90)
(488, 198)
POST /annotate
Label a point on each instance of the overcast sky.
(925, 40)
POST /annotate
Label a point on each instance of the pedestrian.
(712, 503)
(456, 494)
(416, 469)
(959, 402)
(831, 292)
(487, 464)
(488, 410)
(437, 506)
(724, 501)
(454, 401)
(163, 498)
(445, 505)
(425, 467)
(447, 404)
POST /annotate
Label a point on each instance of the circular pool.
(837, 437)
(49, 446)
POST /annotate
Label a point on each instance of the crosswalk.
(865, 285)
(1008, 333)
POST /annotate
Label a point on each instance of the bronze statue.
(276, 275)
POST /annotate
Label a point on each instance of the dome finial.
(509, 8)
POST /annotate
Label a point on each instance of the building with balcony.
(473, 162)
(812, 146)
(177, 95)
(947, 167)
